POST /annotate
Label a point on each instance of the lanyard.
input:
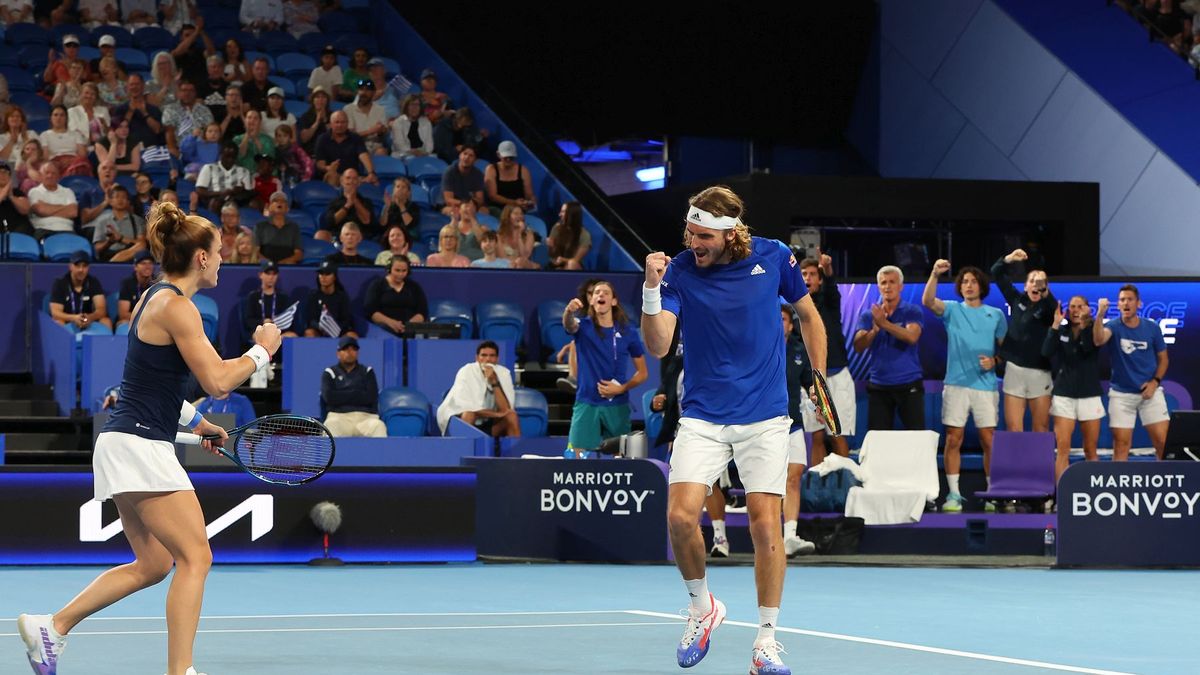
(262, 306)
(77, 299)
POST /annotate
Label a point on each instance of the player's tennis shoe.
(720, 547)
(192, 671)
(697, 636)
(42, 649)
(953, 503)
(795, 546)
(765, 659)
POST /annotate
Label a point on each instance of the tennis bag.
(826, 494)
(832, 536)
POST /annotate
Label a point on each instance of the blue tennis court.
(498, 618)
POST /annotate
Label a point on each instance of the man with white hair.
(888, 331)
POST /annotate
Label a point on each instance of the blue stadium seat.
(33, 57)
(59, 247)
(288, 87)
(210, 315)
(210, 216)
(532, 411)
(8, 57)
(249, 217)
(420, 195)
(425, 167)
(314, 193)
(295, 64)
(390, 66)
(549, 314)
(453, 311)
(88, 53)
(130, 184)
(18, 78)
(253, 55)
(220, 18)
(430, 228)
(313, 43)
(420, 249)
(80, 185)
(277, 42)
(389, 168)
(57, 33)
(500, 320)
(301, 82)
(488, 220)
(23, 247)
(248, 41)
(433, 184)
(122, 329)
(34, 106)
(154, 38)
(22, 34)
(536, 225)
(332, 23)
(540, 256)
(482, 164)
(404, 411)
(369, 249)
(346, 43)
(315, 251)
(111, 300)
(374, 193)
(298, 108)
(134, 59)
(308, 226)
(120, 35)
(184, 188)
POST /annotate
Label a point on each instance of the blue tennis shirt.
(1134, 354)
(734, 370)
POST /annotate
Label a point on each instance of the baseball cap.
(428, 72)
(278, 194)
(5, 167)
(376, 61)
(507, 149)
(107, 41)
(142, 255)
(329, 49)
(268, 266)
(275, 91)
(317, 90)
(347, 341)
(70, 40)
(80, 256)
(327, 267)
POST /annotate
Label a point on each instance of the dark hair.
(489, 235)
(584, 291)
(230, 145)
(567, 241)
(785, 308)
(984, 283)
(620, 319)
(810, 262)
(1132, 289)
(175, 237)
(487, 344)
(400, 258)
(117, 187)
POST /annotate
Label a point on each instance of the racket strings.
(286, 449)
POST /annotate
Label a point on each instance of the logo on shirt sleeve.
(792, 261)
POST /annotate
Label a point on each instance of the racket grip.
(188, 439)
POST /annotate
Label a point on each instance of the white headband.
(704, 218)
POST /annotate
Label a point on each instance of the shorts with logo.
(1082, 409)
(1124, 409)
(591, 424)
(959, 402)
(798, 452)
(702, 450)
(1025, 382)
(841, 390)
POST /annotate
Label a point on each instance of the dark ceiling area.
(601, 72)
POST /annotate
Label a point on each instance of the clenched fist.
(574, 305)
(656, 267)
(941, 267)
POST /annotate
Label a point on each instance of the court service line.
(208, 617)
(382, 629)
(906, 645)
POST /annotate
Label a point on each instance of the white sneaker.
(694, 644)
(764, 660)
(192, 671)
(720, 548)
(795, 546)
(43, 651)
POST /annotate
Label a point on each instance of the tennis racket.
(279, 449)
(825, 404)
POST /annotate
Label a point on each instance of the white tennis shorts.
(841, 390)
(126, 463)
(1082, 409)
(1025, 382)
(702, 450)
(959, 402)
(1124, 409)
(798, 448)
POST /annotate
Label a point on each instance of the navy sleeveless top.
(510, 189)
(153, 386)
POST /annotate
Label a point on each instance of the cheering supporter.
(265, 181)
(224, 181)
(823, 289)
(278, 238)
(412, 133)
(67, 93)
(400, 208)
(57, 69)
(268, 304)
(138, 14)
(1027, 373)
(328, 309)
(356, 70)
(394, 300)
(328, 74)
(255, 90)
(482, 395)
(29, 169)
(275, 114)
(300, 17)
(192, 52)
(211, 87)
(253, 143)
(340, 149)
(16, 133)
(119, 150)
(231, 227)
(368, 119)
(456, 132)
(67, 149)
(53, 206)
(145, 118)
(490, 242)
(184, 118)
(888, 331)
(77, 299)
(94, 202)
(261, 15)
(507, 182)
(434, 103)
(119, 233)
(195, 151)
(516, 239)
(145, 194)
(399, 243)
(350, 392)
(95, 13)
(293, 162)
(233, 124)
(14, 205)
(1139, 363)
(350, 237)
(244, 252)
(133, 286)
(385, 96)
(974, 332)
(1071, 349)
(107, 46)
(470, 231)
(162, 89)
(447, 255)
(315, 121)
(348, 206)
(16, 11)
(88, 117)
(237, 70)
(111, 83)
(231, 403)
(462, 182)
(178, 15)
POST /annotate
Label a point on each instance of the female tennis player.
(134, 460)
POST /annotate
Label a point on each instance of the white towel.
(470, 392)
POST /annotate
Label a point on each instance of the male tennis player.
(725, 289)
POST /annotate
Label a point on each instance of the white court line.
(905, 645)
(207, 617)
(375, 629)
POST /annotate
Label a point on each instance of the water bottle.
(1049, 542)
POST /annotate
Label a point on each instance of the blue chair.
(549, 314)
(249, 217)
(482, 165)
(434, 187)
(298, 108)
(80, 185)
(488, 220)
(308, 226)
(59, 247)
(421, 168)
(532, 411)
(33, 57)
(369, 249)
(537, 225)
(430, 229)
(420, 195)
(404, 411)
(390, 66)
(389, 168)
(122, 37)
(154, 38)
(288, 87)
(314, 193)
(185, 188)
(22, 34)
(87, 53)
(18, 78)
(313, 43)
(248, 41)
(453, 311)
(332, 23)
(373, 193)
(219, 18)
(23, 247)
(134, 59)
(111, 301)
(500, 320)
(9, 58)
(315, 251)
(130, 184)
(210, 315)
(295, 64)
(540, 255)
(63, 29)
(277, 42)
(654, 420)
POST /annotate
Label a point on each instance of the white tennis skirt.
(126, 463)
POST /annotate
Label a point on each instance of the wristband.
(1157, 379)
(651, 300)
(259, 355)
(188, 417)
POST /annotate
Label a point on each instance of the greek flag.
(156, 153)
(328, 324)
(401, 84)
(284, 320)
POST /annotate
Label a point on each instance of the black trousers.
(884, 402)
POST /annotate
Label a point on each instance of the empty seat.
(313, 43)
(154, 38)
(389, 168)
(554, 336)
(277, 42)
(1022, 466)
(210, 315)
(488, 220)
(452, 311)
(404, 411)
(369, 249)
(23, 247)
(425, 167)
(80, 185)
(295, 64)
(536, 225)
(308, 226)
(373, 193)
(333, 23)
(21, 34)
(59, 247)
(298, 108)
(288, 87)
(420, 195)
(500, 320)
(315, 251)
(132, 58)
(18, 79)
(532, 411)
(120, 35)
(314, 193)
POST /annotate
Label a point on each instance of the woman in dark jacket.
(395, 300)
(1077, 391)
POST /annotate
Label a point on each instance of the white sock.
(767, 618)
(952, 480)
(719, 529)
(789, 529)
(54, 635)
(701, 601)
(989, 482)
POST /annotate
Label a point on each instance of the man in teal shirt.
(973, 332)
